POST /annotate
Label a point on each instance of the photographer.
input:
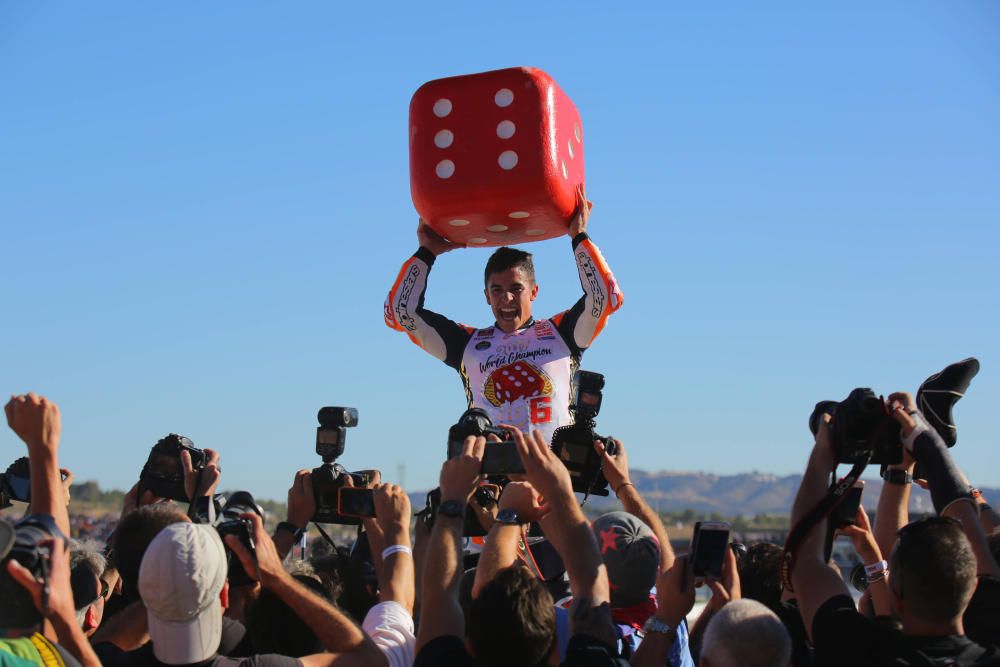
(28, 599)
(512, 621)
(932, 569)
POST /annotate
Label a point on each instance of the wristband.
(897, 476)
(396, 549)
(879, 568)
(622, 486)
(921, 426)
(290, 527)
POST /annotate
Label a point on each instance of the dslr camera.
(329, 478)
(499, 458)
(231, 522)
(163, 473)
(574, 444)
(15, 483)
(23, 543)
(861, 428)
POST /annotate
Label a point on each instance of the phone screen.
(709, 550)
(847, 511)
(501, 458)
(356, 502)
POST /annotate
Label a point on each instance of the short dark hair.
(275, 628)
(760, 574)
(933, 569)
(17, 612)
(507, 258)
(513, 621)
(132, 537)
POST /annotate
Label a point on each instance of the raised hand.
(392, 509)
(264, 564)
(541, 466)
(460, 475)
(301, 500)
(615, 466)
(201, 483)
(578, 224)
(433, 241)
(35, 420)
(525, 500)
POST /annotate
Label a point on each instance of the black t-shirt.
(842, 636)
(791, 618)
(982, 616)
(583, 651)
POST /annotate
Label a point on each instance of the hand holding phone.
(708, 548)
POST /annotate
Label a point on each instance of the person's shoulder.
(444, 650)
(841, 635)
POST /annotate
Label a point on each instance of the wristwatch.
(508, 517)
(452, 509)
(290, 527)
(897, 476)
(654, 624)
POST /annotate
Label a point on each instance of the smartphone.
(708, 548)
(356, 502)
(846, 513)
(501, 458)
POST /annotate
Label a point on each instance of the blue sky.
(203, 206)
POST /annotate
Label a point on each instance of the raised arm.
(582, 323)
(813, 580)
(36, 420)
(949, 488)
(571, 535)
(440, 612)
(616, 472)
(404, 306)
(345, 641)
(520, 504)
(392, 512)
(893, 511)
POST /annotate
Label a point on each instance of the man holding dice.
(519, 370)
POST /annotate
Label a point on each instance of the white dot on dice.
(497, 228)
(565, 173)
(443, 139)
(534, 232)
(569, 145)
(444, 169)
(476, 240)
(576, 133)
(504, 97)
(517, 215)
(458, 222)
(505, 129)
(507, 160)
(442, 107)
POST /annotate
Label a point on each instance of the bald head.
(745, 633)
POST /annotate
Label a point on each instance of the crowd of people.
(545, 586)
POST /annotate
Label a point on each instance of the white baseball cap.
(180, 581)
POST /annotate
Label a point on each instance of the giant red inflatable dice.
(495, 158)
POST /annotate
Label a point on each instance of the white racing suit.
(521, 378)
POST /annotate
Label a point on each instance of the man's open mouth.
(508, 313)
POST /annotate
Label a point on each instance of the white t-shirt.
(391, 628)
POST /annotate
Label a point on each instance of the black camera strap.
(800, 531)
